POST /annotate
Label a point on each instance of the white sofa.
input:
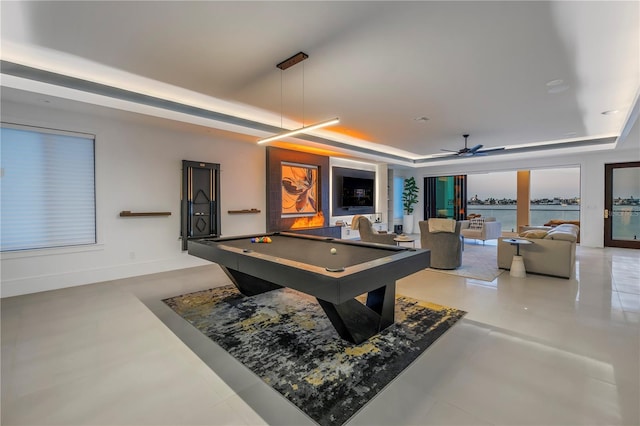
(552, 252)
(490, 229)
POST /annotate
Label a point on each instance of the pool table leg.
(356, 322)
(248, 284)
(383, 302)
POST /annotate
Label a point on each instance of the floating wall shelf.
(243, 211)
(127, 213)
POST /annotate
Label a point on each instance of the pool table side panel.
(353, 285)
(319, 286)
(212, 253)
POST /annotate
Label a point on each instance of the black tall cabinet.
(200, 210)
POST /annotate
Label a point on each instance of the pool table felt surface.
(316, 252)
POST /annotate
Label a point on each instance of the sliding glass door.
(445, 197)
(622, 205)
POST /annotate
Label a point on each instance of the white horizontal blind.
(47, 187)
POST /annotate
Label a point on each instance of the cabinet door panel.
(200, 201)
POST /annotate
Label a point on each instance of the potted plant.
(409, 199)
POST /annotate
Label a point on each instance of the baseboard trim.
(37, 284)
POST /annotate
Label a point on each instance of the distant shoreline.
(575, 201)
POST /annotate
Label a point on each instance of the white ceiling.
(470, 67)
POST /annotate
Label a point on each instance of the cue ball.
(333, 251)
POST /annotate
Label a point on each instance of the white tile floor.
(538, 350)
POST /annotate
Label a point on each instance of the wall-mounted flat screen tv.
(357, 192)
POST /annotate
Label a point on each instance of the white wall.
(591, 181)
(406, 173)
(138, 168)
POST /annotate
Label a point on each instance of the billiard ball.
(334, 251)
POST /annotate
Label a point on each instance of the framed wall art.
(299, 189)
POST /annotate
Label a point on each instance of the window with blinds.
(47, 183)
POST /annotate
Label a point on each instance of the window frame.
(67, 248)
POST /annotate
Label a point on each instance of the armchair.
(369, 235)
(446, 247)
(481, 229)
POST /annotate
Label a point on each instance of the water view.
(625, 218)
(492, 194)
(540, 214)
(625, 222)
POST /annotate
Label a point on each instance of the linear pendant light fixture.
(300, 130)
(288, 63)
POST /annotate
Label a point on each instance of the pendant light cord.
(281, 72)
(286, 64)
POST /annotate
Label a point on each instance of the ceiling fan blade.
(490, 150)
(470, 152)
(475, 149)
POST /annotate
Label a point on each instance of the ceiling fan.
(473, 151)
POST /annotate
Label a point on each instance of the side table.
(405, 239)
(517, 264)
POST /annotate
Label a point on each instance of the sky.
(626, 182)
(545, 183)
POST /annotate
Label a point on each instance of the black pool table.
(305, 263)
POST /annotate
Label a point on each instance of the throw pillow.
(534, 234)
(562, 236)
(476, 223)
(567, 227)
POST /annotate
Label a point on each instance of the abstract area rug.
(285, 338)
(478, 262)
